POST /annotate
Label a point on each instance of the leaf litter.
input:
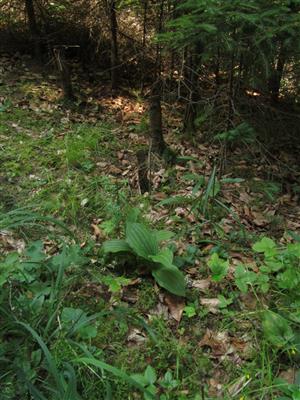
(244, 204)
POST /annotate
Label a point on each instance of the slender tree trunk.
(143, 66)
(64, 73)
(114, 43)
(276, 76)
(158, 47)
(230, 95)
(142, 159)
(217, 70)
(33, 27)
(194, 95)
(158, 144)
(190, 112)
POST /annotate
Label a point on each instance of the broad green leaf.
(116, 246)
(133, 215)
(141, 240)
(171, 279)
(289, 279)
(71, 255)
(35, 252)
(243, 278)
(115, 283)
(9, 266)
(76, 320)
(273, 265)
(140, 379)
(164, 257)
(150, 375)
(224, 302)
(276, 329)
(150, 389)
(293, 249)
(218, 267)
(163, 235)
(262, 281)
(266, 246)
(189, 311)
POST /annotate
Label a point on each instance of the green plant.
(151, 383)
(203, 196)
(32, 287)
(144, 244)
(280, 263)
(290, 391)
(218, 267)
(190, 311)
(243, 133)
(277, 329)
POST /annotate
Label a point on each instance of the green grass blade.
(116, 372)
(50, 361)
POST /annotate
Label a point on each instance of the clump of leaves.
(218, 267)
(144, 244)
(150, 382)
(242, 133)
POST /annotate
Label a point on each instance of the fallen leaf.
(289, 375)
(135, 337)
(238, 386)
(217, 341)
(259, 219)
(211, 304)
(175, 306)
(114, 170)
(98, 233)
(201, 284)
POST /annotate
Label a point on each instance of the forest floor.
(77, 164)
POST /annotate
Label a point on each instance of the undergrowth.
(77, 322)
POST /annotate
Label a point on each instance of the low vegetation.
(149, 200)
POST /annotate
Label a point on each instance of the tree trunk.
(190, 114)
(114, 43)
(158, 47)
(276, 76)
(158, 144)
(33, 27)
(142, 159)
(230, 94)
(64, 73)
(143, 64)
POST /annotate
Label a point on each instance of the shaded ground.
(77, 163)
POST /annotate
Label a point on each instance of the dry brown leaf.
(238, 386)
(247, 211)
(207, 248)
(135, 337)
(211, 304)
(114, 170)
(159, 196)
(259, 219)
(215, 388)
(201, 284)
(217, 341)
(175, 306)
(289, 375)
(98, 233)
(8, 242)
(102, 164)
(120, 155)
(192, 271)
